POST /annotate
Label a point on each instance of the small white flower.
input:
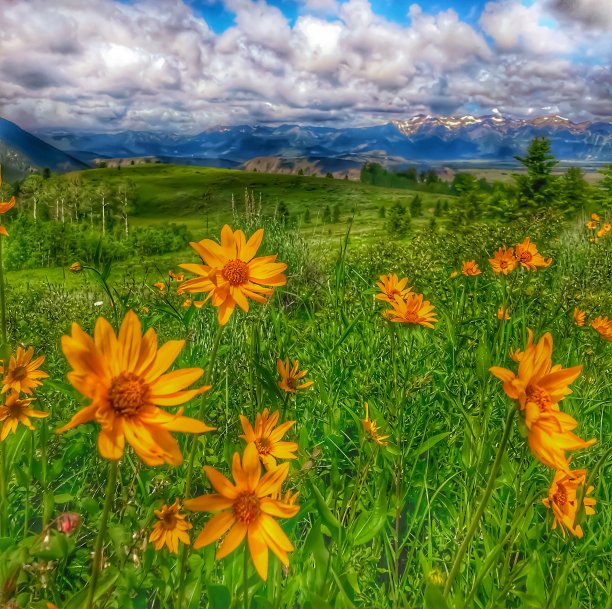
(98, 303)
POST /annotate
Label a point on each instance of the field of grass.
(439, 506)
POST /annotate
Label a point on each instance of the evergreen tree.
(382, 211)
(282, 213)
(307, 219)
(603, 193)
(416, 206)
(539, 187)
(438, 209)
(326, 215)
(398, 220)
(336, 213)
(574, 191)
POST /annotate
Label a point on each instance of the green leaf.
(219, 596)
(106, 581)
(430, 443)
(326, 515)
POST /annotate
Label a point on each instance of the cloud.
(155, 64)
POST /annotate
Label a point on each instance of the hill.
(21, 153)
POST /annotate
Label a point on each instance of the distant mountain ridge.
(421, 139)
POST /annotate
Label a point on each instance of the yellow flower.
(470, 268)
(187, 303)
(23, 374)
(564, 502)
(579, 316)
(453, 274)
(390, 287)
(606, 228)
(503, 261)
(603, 326)
(170, 528)
(290, 376)
(124, 378)
(4, 207)
(529, 257)
(246, 509)
(161, 286)
(371, 429)
(75, 267)
(413, 310)
(502, 313)
(591, 225)
(176, 276)
(15, 411)
(267, 438)
(595, 217)
(231, 274)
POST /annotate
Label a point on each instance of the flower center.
(128, 394)
(411, 318)
(264, 446)
(503, 264)
(15, 409)
(540, 397)
(560, 497)
(236, 272)
(525, 257)
(246, 507)
(169, 521)
(20, 373)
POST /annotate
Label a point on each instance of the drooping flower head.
(267, 437)
(528, 256)
(371, 428)
(291, 376)
(23, 374)
(563, 499)
(412, 310)
(75, 267)
(123, 377)
(503, 314)
(391, 287)
(579, 316)
(470, 268)
(603, 326)
(231, 274)
(503, 261)
(248, 509)
(170, 528)
(14, 411)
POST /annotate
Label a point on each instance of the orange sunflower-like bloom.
(454, 274)
(267, 437)
(606, 228)
(231, 274)
(413, 310)
(391, 287)
(591, 225)
(603, 326)
(75, 267)
(290, 376)
(176, 276)
(15, 411)
(160, 285)
(503, 314)
(170, 528)
(528, 256)
(563, 499)
(248, 509)
(503, 261)
(470, 268)
(123, 376)
(371, 428)
(4, 207)
(595, 217)
(23, 373)
(579, 316)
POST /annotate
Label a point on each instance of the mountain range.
(418, 140)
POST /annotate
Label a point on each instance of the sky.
(187, 65)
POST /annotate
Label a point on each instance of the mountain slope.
(21, 152)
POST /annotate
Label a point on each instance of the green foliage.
(539, 188)
(416, 206)
(398, 220)
(428, 181)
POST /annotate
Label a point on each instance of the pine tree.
(326, 215)
(416, 206)
(574, 191)
(336, 213)
(398, 220)
(539, 187)
(603, 193)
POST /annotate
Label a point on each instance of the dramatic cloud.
(157, 64)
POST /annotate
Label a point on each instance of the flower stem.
(245, 575)
(3, 334)
(483, 503)
(3, 493)
(97, 560)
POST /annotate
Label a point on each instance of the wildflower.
(98, 303)
(529, 257)
(606, 228)
(595, 217)
(4, 207)
(231, 273)
(453, 274)
(603, 326)
(601, 232)
(67, 522)
(371, 428)
(246, 509)
(124, 378)
(23, 374)
(436, 578)
(563, 500)
(75, 267)
(503, 261)
(390, 287)
(187, 303)
(515, 355)
(146, 310)
(538, 387)
(579, 316)
(502, 313)
(161, 286)
(267, 438)
(413, 310)
(176, 276)
(290, 376)
(170, 528)
(591, 225)
(470, 268)
(15, 411)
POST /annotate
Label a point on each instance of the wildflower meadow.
(412, 423)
